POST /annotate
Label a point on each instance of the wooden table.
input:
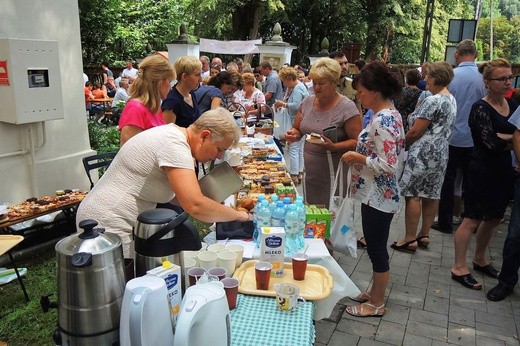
(69, 210)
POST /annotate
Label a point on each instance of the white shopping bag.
(342, 234)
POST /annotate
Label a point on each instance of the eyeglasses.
(504, 79)
(257, 74)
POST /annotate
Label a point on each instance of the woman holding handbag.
(375, 166)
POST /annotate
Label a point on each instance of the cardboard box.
(317, 222)
(171, 274)
(272, 248)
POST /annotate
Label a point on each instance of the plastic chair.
(95, 162)
(7, 242)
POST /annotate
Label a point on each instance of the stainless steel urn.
(161, 234)
(91, 285)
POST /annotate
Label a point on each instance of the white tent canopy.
(229, 47)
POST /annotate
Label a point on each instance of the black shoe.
(487, 270)
(499, 292)
(435, 226)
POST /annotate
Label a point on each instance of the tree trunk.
(246, 20)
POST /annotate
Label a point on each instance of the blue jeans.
(511, 252)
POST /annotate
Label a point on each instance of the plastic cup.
(231, 289)
(216, 247)
(188, 264)
(207, 259)
(194, 274)
(227, 259)
(218, 272)
(263, 275)
(193, 255)
(239, 250)
(299, 266)
(204, 246)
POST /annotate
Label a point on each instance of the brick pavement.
(424, 306)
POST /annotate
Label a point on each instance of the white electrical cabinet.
(30, 81)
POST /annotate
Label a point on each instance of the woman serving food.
(157, 165)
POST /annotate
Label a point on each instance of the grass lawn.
(24, 323)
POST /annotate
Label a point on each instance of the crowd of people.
(402, 143)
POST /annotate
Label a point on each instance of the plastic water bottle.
(286, 202)
(292, 226)
(278, 215)
(255, 214)
(302, 216)
(274, 199)
(263, 219)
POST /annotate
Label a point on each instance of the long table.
(318, 254)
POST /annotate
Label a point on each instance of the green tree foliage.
(505, 42)
(392, 30)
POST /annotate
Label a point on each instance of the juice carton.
(272, 248)
(325, 216)
(171, 274)
(310, 222)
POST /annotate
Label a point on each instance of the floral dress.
(382, 141)
(428, 157)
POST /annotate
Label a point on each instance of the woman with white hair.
(155, 166)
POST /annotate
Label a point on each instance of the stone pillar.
(276, 51)
(324, 52)
(182, 46)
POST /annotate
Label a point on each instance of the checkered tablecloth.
(257, 321)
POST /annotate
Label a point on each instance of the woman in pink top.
(143, 109)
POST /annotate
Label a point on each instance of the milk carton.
(171, 274)
(272, 247)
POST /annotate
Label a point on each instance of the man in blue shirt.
(272, 87)
(467, 87)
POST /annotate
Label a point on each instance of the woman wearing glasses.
(490, 177)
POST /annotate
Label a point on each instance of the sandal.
(406, 247)
(366, 310)
(361, 242)
(422, 243)
(363, 297)
(295, 179)
(488, 270)
(467, 280)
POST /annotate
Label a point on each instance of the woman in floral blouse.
(376, 164)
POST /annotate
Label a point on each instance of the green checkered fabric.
(257, 321)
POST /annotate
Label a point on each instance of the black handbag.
(235, 230)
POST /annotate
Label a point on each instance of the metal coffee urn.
(161, 234)
(91, 285)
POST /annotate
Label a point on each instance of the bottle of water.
(255, 214)
(263, 219)
(286, 202)
(300, 209)
(292, 226)
(278, 215)
(274, 199)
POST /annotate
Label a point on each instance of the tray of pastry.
(317, 284)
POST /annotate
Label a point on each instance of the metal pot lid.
(157, 216)
(91, 240)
